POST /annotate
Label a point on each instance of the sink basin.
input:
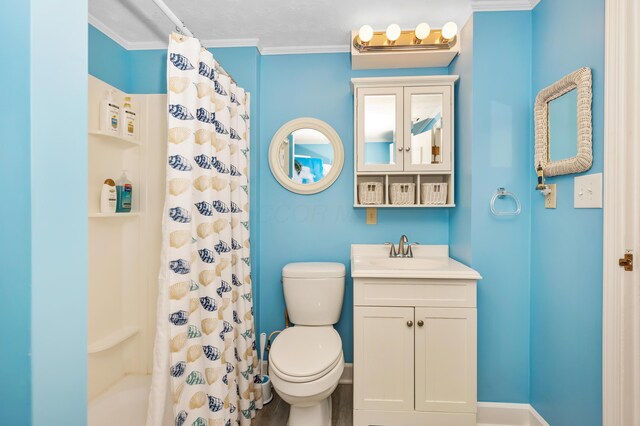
(373, 261)
(399, 263)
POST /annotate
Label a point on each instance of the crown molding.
(233, 42)
(502, 5)
(213, 43)
(299, 50)
(98, 24)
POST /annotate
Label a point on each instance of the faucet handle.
(392, 252)
(409, 250)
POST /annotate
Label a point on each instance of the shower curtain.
(205, 344)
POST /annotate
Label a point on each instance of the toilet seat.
(303, 354)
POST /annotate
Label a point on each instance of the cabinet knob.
(420, 323)
(409, 323)
(400, 149)
(408, 149)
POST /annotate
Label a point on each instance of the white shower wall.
(124, 251)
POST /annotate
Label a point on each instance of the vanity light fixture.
(365, 34)
(449, 31)
(393, 33)
(394, 38)
(422, 32)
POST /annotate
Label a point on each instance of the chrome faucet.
(404, 248)
(402, 251)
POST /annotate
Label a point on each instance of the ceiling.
(274, 26)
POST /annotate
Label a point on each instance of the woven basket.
(434, 193)
(402, 193)
(370, 193)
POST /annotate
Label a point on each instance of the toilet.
(306, 360)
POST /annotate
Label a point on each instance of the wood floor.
(276, 413)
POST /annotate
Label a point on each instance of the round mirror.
(306, 155)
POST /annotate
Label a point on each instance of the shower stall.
(124, 260)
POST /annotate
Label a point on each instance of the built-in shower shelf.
(113, 215)
(113, 339)
(119, 140)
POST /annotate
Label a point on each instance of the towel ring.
(500, 194)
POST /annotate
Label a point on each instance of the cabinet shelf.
(113, 215)
(396, 206)
(114, 339)
(428, 172)
(120, 141)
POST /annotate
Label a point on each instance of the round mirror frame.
(338, 155)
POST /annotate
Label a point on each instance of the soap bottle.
(129, 124)
(124, 190)
(108, 197)
(110, 114)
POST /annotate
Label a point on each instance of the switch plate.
(587, 191)
(550, 198)
(372, 215)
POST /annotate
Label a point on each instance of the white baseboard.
(507, 414)
(345, 379)
(536, 418)
(489, 413)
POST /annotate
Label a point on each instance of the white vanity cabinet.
(404, 133)
(415, 352)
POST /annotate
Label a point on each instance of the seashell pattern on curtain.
(206, 279)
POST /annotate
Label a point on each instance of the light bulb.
(449, 30)
(365, 33)
(422, 31)
(393, 32)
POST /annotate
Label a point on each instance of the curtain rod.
(180, 26)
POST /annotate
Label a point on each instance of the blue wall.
(108, 61)
(59, 212)
(492, 151)
(566, 296)
(321, 227)
(460, 216)
(15, 217)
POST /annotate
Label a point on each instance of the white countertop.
(429, 261)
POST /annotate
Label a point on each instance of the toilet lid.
(305, 351)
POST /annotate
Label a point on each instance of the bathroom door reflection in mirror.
(563, 127)
(382, 129)
(306, 156)
(426, 129)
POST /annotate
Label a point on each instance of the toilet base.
(315, 415)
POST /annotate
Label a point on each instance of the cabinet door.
(379, 130)
(446, 359)
(428, 128)
(383, 358)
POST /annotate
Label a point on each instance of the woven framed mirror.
(563, 125)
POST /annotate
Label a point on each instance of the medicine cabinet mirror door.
(427, 129)
(380, 129)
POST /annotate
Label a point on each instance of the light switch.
(587, 191)
(550, 198)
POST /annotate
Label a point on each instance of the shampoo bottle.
(124, 189)
(129, 124)
(108, 197)
(110, 114)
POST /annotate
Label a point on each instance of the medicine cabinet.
(404, 135)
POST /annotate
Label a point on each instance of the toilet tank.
(313, 292)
